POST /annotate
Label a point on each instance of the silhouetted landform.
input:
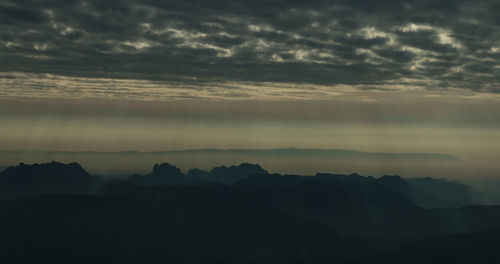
(426, 192)
(164, 174)
(286, 160)
(430, 192)
(352, 204)
(168, 174)
(47, 178)
(238, 214)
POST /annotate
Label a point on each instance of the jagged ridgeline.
(287, 160)
(234, 214)
(59, 178)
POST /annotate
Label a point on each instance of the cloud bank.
(369, 45)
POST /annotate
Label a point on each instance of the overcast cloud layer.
(367, 44)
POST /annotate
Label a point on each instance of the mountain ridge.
(238, 211)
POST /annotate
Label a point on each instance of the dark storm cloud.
(450, 44)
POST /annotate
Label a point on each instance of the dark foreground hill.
(177, 220)
(477, 247)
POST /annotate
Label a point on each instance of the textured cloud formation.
(52, 86)
(363, 44)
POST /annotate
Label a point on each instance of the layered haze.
(386, 77)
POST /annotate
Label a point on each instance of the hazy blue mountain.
(427, 192)
(355, 204)
(432, 193)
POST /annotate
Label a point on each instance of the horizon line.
(229, 150)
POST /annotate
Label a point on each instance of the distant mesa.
(169, 174)
(279, 152)
(337, 153)
(203, 174)
(162, 174)
(230, 175)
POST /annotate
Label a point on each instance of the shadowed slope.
(211, 219)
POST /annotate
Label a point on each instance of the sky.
(376, 76)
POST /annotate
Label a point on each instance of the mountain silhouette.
(163, 174)
(168, 174)
(47, 178)
(232, 174)
(59, 213)
(353, 204)
(359, 206)
(426, 192)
